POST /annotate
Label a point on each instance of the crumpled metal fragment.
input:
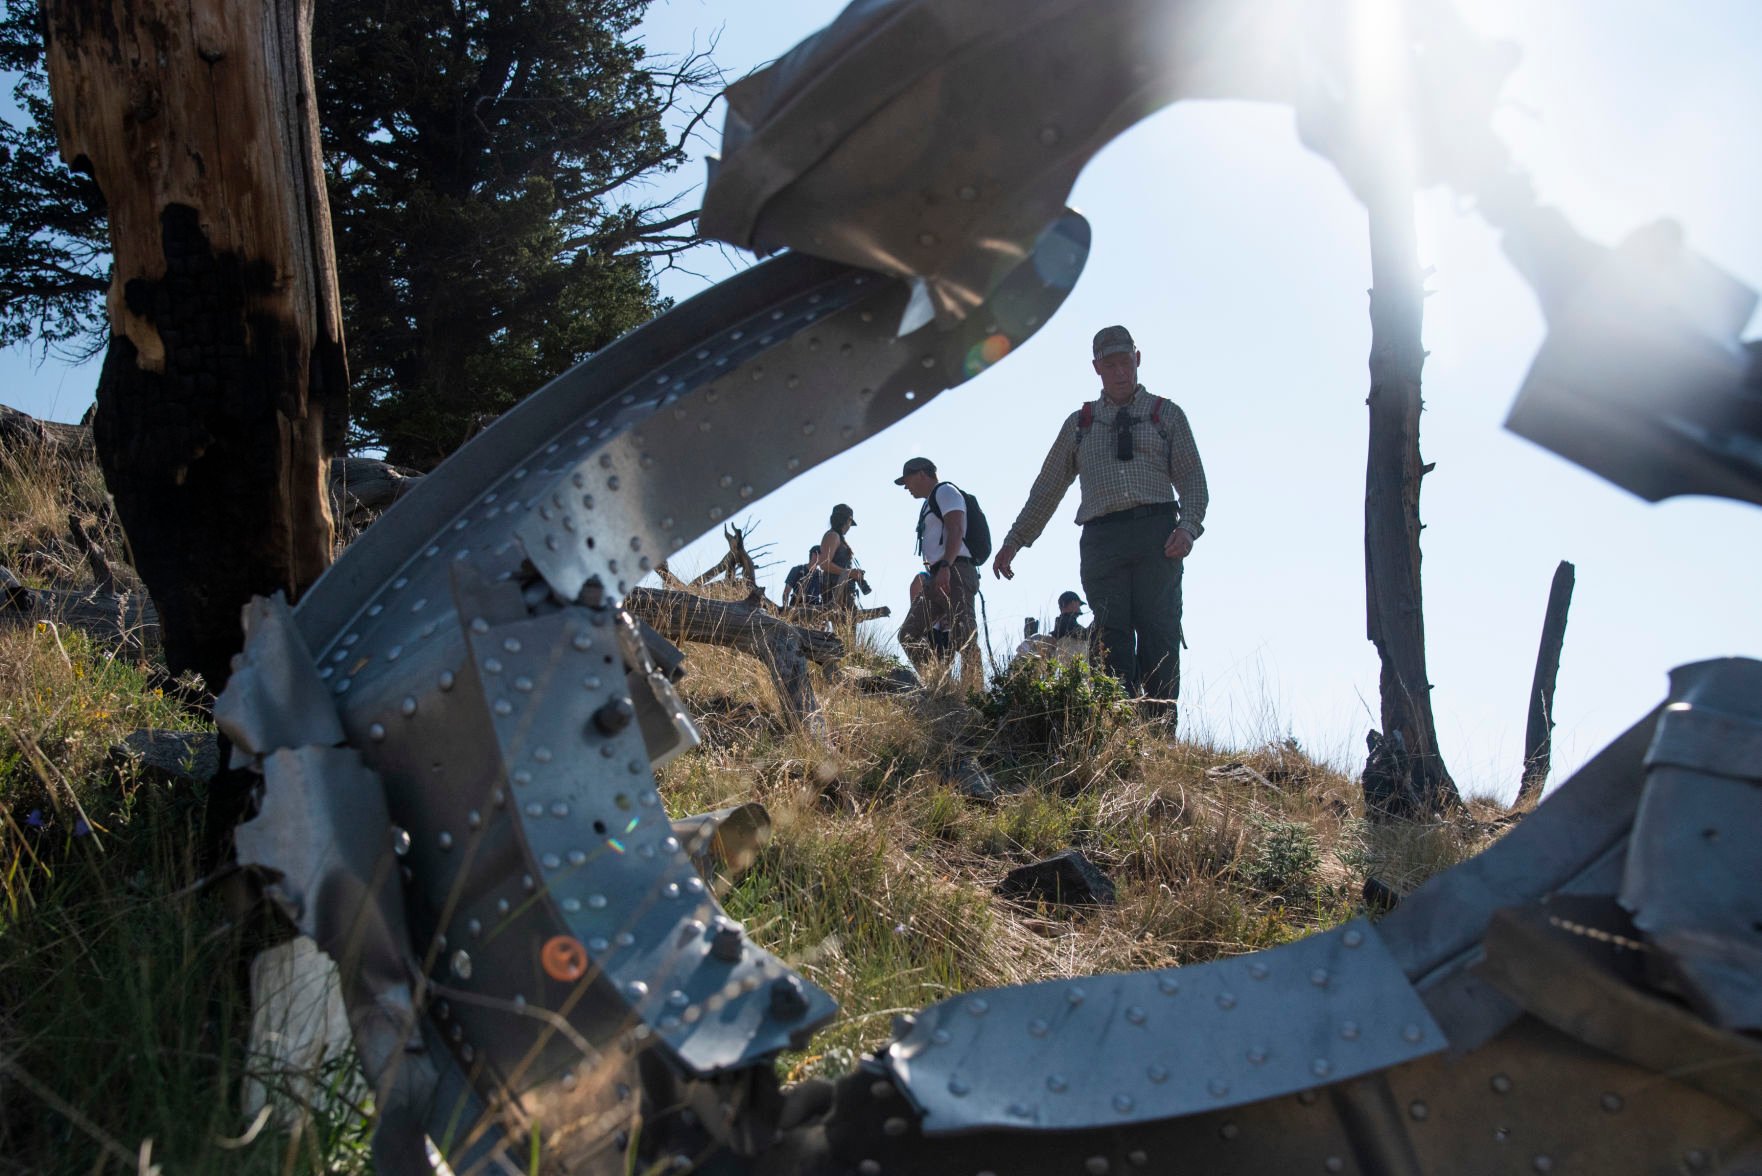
(274, 697)
(324, 839)
(921, 138)
(1694, 869)
(727, 841)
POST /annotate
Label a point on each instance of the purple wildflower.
(80, 828)
(35, 819)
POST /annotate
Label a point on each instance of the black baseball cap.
(1065, 598)
(917, 465)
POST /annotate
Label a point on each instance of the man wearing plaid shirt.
(1132, 453)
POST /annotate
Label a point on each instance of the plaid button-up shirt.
(1158, 470)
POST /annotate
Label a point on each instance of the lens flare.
(986, 352)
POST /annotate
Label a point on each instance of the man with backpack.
(953, 538)
(803, 587)
(1143, 506)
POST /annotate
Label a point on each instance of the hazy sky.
(1239, 261)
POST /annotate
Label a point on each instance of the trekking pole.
(985, 620)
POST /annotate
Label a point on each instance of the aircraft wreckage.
(458, 728)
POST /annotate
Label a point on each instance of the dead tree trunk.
(1405, 775)
(1538, 736)
(223, 390)
(737, 565)
(785, 649)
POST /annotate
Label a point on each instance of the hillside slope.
(123, 1003)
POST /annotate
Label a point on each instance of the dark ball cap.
(1065, 598)
(1112, 341)
(917, 465)
(842, 511)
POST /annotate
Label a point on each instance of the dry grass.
(122, 1008)
(121, 1016)
(38, 492)
(880, 882)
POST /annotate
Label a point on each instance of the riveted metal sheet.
(648, 445)
(603, 852)
(274, 698)
(593, 479)
(341, 888)
(1436, 929)
(1711, 723)
(1694, 885)
(1575, 965)
(873, 1130)
(1536, 1101)
(1694, 873)
(1533, 1101)
(860, 144)
(1139, 1047)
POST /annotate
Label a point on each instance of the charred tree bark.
(1405, 775)
(1538, 736)
(223, 390)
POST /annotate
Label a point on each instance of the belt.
(966, 559)
(1150, 510)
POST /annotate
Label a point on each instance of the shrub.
(1047, 707)
(1285, 857)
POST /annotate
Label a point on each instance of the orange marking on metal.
(564, 958)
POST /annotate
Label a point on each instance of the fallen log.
(22, 434)
(125, 620)
(784, 648)
(361, 488)
(812, 616)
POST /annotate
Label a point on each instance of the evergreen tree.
(54, 251)
(481, 158)
(477, 153)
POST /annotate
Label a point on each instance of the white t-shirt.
(949, 500)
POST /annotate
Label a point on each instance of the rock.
(898, 680)
(14, 596)
(172, 756)
(1068, 878)
(1379, 895)
(973, 781)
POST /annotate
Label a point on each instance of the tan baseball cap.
(1112, 341)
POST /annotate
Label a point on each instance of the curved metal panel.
(471, 648)
(919, 137)
(1694, 873)
(1138, 1047)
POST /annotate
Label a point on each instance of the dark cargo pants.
(1134, 590)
